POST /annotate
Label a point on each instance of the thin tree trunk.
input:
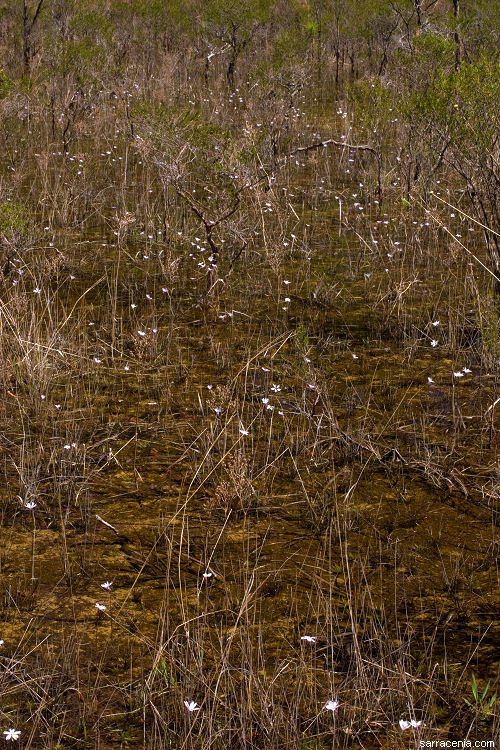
(28, 27)
(418, 8)
(456, 12)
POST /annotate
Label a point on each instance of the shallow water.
(308, 524)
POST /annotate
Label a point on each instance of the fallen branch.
(342, 144)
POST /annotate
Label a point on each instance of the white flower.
(466, 370)
(192, 706)
(106, 585)
(2, 642)
(12, 734)
(407, 724)
(97, 360)
(434, 342)
(37, 290)
(30, 505)
(275, 388)
(100, 607)
(435, 323)
(243, 431)
(287, 282)
(265, 400)
(208, 574)
(355, 356)
(308, 638)
(141, 333)
(430, 380)
(458, 374)
(331, 705)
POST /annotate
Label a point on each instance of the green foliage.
(14, 219)
(431, 54)
(483, 704)
(372, 101)
(6, 84)
(92, 24)
(80, 57)
(462, 103)
(197, 152)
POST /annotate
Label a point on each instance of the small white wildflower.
(276, 388)
(12, 734)
(192, 706)
(97, 360)
(466, 370)
(106, 585)
(435, 323)
(243, 431)
(331, 705)
(37, 290)
(308, 638)
(407, 724)
(141, 333)
(265, 400)
(430, 380)
(100, 607)
(458, 374)
(30, 505)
